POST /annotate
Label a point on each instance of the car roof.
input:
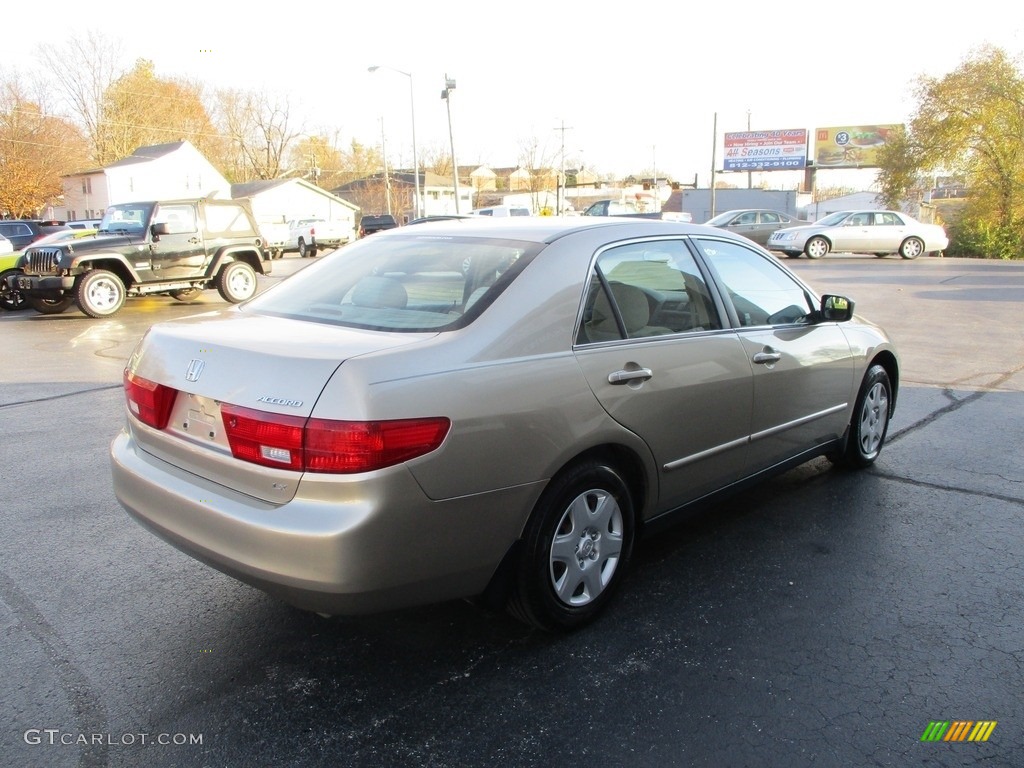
(547, 229)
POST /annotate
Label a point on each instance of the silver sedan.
(878, 232)
(489, 408)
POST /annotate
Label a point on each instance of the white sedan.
(877, 232)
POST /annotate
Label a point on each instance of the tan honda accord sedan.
(489, 408)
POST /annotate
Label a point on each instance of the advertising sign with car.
(783, 150)
(851, 146)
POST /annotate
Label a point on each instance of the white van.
(502, 210)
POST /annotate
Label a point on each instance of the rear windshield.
(408, 284)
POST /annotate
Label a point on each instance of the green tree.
(969, 124)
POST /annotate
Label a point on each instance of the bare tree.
(84, 66)
(257, 128)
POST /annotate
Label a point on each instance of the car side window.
(888, 219)
(770, 218)
(750, 217)
(760, 291)
(180, 219)
(653, 288)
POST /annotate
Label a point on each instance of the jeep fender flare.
(114, 262)
(250, 254)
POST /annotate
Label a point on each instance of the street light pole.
(417, 203)
(449, 86)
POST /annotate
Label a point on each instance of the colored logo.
(958, 730)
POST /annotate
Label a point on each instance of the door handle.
(194, 240)
(767, 357)
(624, 377)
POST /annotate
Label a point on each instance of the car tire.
(791, 255)
(99, 293)
(881, 255)
(911, 248)
(576, 547)
(870, 423)
(187, 295)
(236, 282)
(303, 249)
(51, 306)
(312, 252)
(11, 299)
(817, 247)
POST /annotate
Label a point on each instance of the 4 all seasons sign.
(958, 730)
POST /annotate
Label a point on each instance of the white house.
(157, 172)
(275, 201)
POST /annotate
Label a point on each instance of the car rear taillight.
(150, 402)
(322, 445)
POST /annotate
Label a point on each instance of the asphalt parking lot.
(825, 618)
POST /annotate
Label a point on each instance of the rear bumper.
(359, 546)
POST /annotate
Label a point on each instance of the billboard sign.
(850, 146)
(784, 150)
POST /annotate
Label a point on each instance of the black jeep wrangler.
(175, 247)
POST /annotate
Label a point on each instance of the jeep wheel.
(187, 295)
(51, 306)
(11, 299)
(312, 252)
(303, 249)
(236, 282)
(99, 293)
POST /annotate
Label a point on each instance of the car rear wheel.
(303, 248)
(11, 299)
(187, 295)
(236, 282)
(577, 545)
(99, 293)
(817, 247)
(51, 306)
(911, 248)
(870, 422)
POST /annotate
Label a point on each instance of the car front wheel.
(99, 293)
(817, 247)
(911, 248)
(577, 545)
(236, 282)
(870, 422)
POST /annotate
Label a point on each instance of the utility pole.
(560, 191)
(449, 86)
(749, 174)
(387, 178)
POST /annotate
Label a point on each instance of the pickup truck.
(275, 237)
(616, 208)
(307, 236)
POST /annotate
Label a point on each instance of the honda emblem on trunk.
(195, 369)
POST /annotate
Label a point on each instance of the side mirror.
(161, 228)
(836, 309)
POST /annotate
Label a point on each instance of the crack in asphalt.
(954, 488)
(955, 404)
(61, 396)
(89, 712)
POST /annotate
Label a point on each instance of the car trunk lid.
(225, 361)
